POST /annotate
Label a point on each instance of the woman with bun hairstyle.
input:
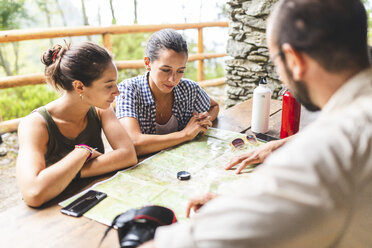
(62, 140)
(160, 109)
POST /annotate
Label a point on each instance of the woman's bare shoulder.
(34, 123)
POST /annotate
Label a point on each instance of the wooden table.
(22, 226)
(238, 118)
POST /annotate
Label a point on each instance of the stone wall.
(248, 49)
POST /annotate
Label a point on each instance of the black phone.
(264, 137)
(82, 204)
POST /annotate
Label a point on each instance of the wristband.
(88, 148)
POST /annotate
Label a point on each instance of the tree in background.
(11, 13)
(61, 13)
(112, 13)
(368, 6)
(85, 17)
(44, 7)
(135, 12)
(19, 101)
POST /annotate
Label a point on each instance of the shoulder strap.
(51, 125)
(92, 113)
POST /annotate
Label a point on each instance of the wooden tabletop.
(22, 226)
(238, 118)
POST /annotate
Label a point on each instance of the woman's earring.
(81, 97)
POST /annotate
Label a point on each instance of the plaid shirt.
(136, 100)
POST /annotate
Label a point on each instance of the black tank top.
(59, 146)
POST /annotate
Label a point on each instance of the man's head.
(331, 32)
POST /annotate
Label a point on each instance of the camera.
(137, 226)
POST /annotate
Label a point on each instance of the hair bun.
(51, 55)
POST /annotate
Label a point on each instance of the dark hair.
(85, 62)
(333, 32)
(165, 39)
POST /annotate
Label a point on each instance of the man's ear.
(147, 63)
(295, 61)
(78, 86)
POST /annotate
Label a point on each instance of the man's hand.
(197, 202)
(256, 156)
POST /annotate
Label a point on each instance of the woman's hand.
(204, 119)
(197, 202)
(256, 156)
(198, 123)
(95, 154)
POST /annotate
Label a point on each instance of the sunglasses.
(240, 142)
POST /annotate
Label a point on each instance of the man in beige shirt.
(316, 190)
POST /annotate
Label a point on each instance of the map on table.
(154, 180)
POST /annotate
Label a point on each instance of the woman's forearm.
(51, 181)
(213, 111)
(149, 143)
(115, 160)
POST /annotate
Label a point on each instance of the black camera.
(137, 226)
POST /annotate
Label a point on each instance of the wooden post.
(106, 38)
(200, 70)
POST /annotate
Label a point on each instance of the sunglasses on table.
(240, 142)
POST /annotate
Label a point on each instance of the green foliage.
(129, 47)
(367, 5)
(11, 12)
(20, 101)
(191, 70)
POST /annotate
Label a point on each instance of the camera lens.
(130, 241)
(138, 234)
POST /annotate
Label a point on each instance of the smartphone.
(82, 204)
(264, 137)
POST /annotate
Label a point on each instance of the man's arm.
(256, 156)
(295, 199)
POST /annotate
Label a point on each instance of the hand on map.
(255, 156)
(197, 202)
(204, 119)
(198, 123)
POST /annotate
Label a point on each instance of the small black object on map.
(183, 175)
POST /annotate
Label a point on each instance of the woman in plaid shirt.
(161, 109)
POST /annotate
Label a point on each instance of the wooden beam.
(16, 81)
(193, 57)
(46, 33)
(212, 82)
(9, 126)
(130, 64)
(38, 78)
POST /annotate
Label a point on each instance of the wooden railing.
(38, 78)
(106, 32)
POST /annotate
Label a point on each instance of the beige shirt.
(316, 191)
(170, 127)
